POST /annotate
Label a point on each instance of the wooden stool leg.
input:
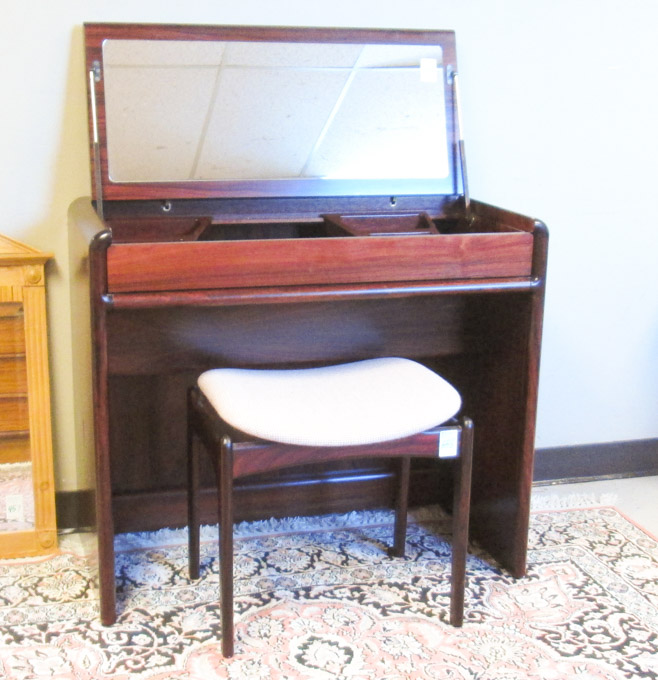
(402, 504)
(226, 543)
(460, 519)
(192, 496)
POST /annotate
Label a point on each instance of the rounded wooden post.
(226, 543)
(460, 521)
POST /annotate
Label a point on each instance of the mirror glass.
(16, 484)
(343, 118)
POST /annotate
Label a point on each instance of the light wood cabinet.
(27, 492)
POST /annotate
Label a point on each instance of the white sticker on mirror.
(429, 71)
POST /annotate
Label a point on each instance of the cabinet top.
(16, 253)
(193, 112)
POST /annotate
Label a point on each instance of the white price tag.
(448, 442)
(14, 508)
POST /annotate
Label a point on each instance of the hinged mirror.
(191, 112)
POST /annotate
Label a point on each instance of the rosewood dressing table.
(295, 197)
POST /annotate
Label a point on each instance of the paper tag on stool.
(448, 440)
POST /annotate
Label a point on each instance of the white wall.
(560, 105)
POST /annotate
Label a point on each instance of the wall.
(559, 106)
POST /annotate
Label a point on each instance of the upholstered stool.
(254, 421)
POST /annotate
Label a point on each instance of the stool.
(253, 421)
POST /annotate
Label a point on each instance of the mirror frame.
(22, 279)
(97, 33)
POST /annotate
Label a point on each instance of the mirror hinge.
(94, 77)
(460, 139)
(96, 70)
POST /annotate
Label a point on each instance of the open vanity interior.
(296, 197)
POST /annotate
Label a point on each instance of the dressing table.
(268, 197)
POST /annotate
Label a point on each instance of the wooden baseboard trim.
(359, 490)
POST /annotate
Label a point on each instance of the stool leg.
(192, 496)
(460, 519)
(226, 543)
(402, 504)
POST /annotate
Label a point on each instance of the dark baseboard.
(590, 462)
(75, 509)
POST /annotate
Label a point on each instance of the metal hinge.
(96, 70)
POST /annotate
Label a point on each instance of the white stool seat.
(364, 402)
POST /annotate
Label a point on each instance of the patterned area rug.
(328, 603)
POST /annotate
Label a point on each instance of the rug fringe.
(277, 526)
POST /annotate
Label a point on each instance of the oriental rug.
(328, 603)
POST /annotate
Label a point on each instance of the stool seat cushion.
(364, 402)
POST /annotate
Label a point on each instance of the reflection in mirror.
(182, 110)
(16, 485)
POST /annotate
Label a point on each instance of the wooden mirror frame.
(104, 187)
(22, 280)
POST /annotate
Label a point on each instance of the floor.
(636, 497)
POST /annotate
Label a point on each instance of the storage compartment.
(374, 257)
(148, 229)
(250, 231)
(417, 224)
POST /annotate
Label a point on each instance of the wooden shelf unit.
(25, 417)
